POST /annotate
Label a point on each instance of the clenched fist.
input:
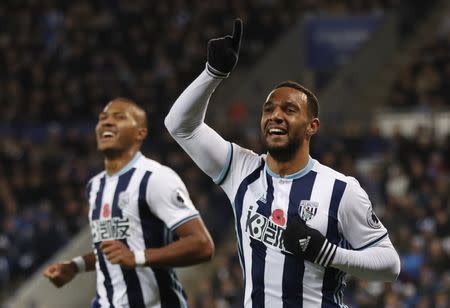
(118, 253)
(61, 273)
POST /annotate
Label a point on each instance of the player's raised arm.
(185, 120)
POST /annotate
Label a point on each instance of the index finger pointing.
(237, 34)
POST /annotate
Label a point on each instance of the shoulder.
(350, 187)
(96, 178)
(329, 172)
(245, 159)
(237, 149)
(353, 195)
(161, 175)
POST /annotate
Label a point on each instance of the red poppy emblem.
(106, 210)
(278, 217)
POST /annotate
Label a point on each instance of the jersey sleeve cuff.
(372, 242)
(182, 221)
(226, 168)
(215, 73)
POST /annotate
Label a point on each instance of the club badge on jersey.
(307, 209)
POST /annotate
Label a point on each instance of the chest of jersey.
(114, 208)
(270, 202)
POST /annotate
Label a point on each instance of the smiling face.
(120, 127)
(286, 123)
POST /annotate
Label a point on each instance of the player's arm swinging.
(194, 246)
(62, 273)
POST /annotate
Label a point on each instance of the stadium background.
(381, 70)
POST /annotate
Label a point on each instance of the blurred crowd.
(64, 60)
(425, 83)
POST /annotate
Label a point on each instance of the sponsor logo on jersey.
(307, 209)
(372, 219)
(264, 230)
(110, 229)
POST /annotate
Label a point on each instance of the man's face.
(117, 129)
(284, 122)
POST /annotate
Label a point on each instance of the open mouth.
(277, 131)
(107, 135)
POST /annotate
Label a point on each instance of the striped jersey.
(140, 205)
(263, 202)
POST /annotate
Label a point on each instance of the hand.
(306, 242)
(223, 52)
(61, 273)
(118, 253)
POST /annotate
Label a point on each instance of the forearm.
(373, 263)
(187, 251)
(89, 262)
(185, 123)
(188, 111)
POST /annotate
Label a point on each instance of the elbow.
(169, 125)
(393, 271)
(395, 268)
(205, 249)
(176, 130)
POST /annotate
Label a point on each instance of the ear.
(313, 127)
(141, 134)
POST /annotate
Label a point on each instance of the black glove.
(306, 242)
(223, 52)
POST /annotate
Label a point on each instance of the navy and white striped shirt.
(262, 201)
(140, 205)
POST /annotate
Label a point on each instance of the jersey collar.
(127, 167)
(296, 175)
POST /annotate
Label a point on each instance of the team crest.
(307, 209)
(124, 199)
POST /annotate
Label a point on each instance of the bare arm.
(62, 273)
(194, 246)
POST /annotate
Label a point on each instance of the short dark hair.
(135, 105)
(311, 99)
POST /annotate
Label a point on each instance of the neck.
(116, 161)
(296, 163)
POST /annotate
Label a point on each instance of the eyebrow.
(291, 103)
(113, 113)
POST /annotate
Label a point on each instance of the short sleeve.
(358, 222)
(169, 199)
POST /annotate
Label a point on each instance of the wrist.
(139, 258)
(79, 263)
(326, 254)
(216, 73)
